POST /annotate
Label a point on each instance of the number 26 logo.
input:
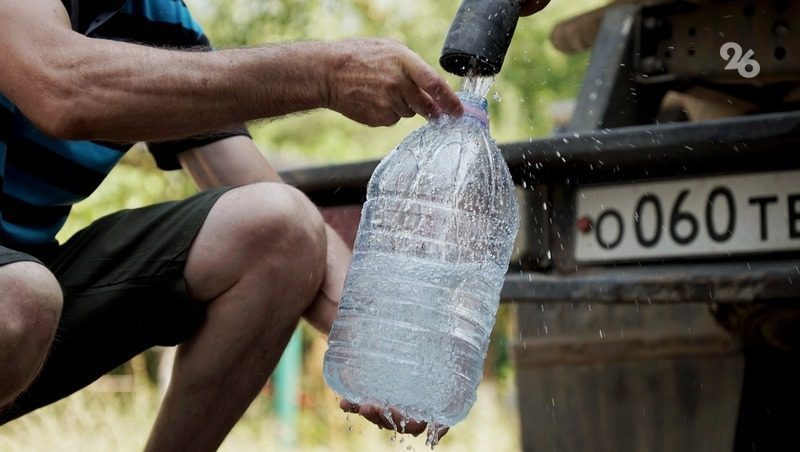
(744, 64)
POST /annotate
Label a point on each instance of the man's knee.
(30, 306)
(266, 230)
(279, 220)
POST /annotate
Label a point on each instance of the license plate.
(710, 216)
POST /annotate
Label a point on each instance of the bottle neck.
(475, 107)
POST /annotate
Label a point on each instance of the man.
(226, 273)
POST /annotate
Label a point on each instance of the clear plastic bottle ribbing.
(422, 291)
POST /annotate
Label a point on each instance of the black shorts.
(124, 292)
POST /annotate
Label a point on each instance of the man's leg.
(258, 261)
(30, 305)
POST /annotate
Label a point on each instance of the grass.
(104, 421)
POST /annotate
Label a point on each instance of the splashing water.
(476, 85)
(433, 434)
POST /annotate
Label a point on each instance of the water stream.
(476, 85)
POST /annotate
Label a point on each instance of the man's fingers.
(438, 432)
(368, 412)
(382, 81)
(348, 407)
(374, 415)
(391, 420)
(403, 424)
(434, 86)
(420, 102)
(414, 427)
(402, 107)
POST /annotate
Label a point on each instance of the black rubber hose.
(479, 36)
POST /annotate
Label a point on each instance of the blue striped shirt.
(42, 177)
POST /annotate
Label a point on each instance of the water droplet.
(433, 434)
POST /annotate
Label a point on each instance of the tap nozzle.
(479, 37)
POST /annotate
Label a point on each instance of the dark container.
(479, 36)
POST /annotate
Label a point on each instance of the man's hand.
(532, 6)
(378, 81)
(377, 416)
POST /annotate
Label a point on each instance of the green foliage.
(134, 182)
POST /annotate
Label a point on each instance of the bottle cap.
(474, 107)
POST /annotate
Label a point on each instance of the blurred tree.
(135, 182)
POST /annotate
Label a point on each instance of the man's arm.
(236, 161)
(76, 87)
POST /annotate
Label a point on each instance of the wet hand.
(378, 81)
(378, 416)
(532, 6)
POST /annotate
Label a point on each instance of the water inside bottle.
(423, 287)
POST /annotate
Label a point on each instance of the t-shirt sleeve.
(166, 152)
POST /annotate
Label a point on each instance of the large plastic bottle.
(422, 291)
